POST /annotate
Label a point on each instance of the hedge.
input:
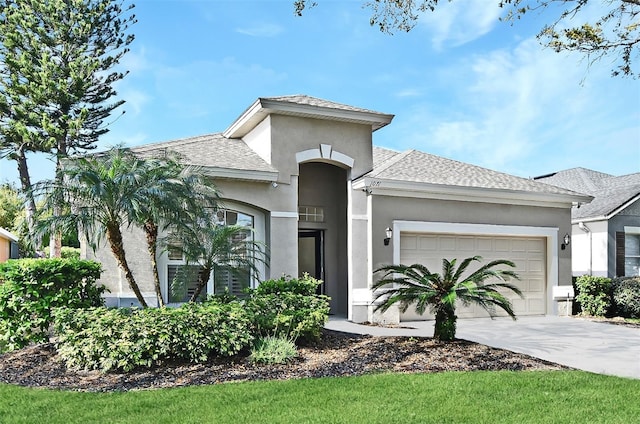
(124, 339)
(31, 288)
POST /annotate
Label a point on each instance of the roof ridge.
(179, 141)
(590, 183)
(392, 161)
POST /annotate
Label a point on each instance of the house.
(304, 174)
(605, 235)
(8, 245)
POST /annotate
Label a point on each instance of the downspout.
(586, 229)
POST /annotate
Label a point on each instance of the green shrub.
(306, 286)
(594, 295)
(273, 350)
(66, 252)
(288, 311)
(32, 288)
(626, 296)
(124, 339)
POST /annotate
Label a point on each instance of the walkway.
(578, 343)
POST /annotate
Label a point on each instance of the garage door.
(528, 254)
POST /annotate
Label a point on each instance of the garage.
(527, 252)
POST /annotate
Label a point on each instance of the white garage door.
(528, 254)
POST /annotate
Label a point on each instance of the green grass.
(472, 397)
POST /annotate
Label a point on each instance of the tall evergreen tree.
(58, 62)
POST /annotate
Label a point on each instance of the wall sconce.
(566, 240)
(388, 232)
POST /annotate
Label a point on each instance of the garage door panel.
(501, 245)
(484, 245)
(528, 254)
(447, 244)
(408, 242)
(466, 243)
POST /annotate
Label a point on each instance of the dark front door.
(311, 255)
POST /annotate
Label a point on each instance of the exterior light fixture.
(388, 232)
(565, 241)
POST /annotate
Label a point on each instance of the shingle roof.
(610, 192)
(211, 151)
(303, 99)
(420, 167)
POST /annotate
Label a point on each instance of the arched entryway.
(322, 229)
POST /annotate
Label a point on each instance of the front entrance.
(311, 255)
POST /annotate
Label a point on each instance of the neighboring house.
(304, 174)
(8, 245)
(606, 232)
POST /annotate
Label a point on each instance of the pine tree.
(58, 61)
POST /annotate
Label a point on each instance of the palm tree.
(174, 193)
(415, 284)
(216, 248)
(107, 193)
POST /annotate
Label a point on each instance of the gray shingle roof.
(420, 167)
(610, 192)
(303, 99)
(211, 151)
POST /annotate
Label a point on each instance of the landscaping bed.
(336, 354)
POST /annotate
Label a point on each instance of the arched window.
(181, 277)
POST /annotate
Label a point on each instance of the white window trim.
(259, 235)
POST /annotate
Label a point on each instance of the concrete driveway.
(591, 346)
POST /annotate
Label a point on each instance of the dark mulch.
(336, 354)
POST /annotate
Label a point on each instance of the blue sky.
(462, 84)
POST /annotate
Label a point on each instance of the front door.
(311, 255)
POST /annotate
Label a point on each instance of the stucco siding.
(388, 209)
(113, 278)
(291, 135)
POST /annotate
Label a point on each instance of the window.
(628, 252)
(311, 213)
(224, 279)
(631, 255)
(182, 278)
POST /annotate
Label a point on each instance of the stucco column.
(284, 245)
(359, 247)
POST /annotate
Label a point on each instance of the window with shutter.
(182, 278)
(620, 254)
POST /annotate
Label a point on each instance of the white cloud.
(261, 30)
(517, 110)
(409, 92)
(459, 22)
(136, 100)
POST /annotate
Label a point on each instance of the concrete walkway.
(578, 343)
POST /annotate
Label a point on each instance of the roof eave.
(241, 174)
(8, 234)
(377, 186)
(262, 107)
(609, 215)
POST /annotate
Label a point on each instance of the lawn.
(454, 397)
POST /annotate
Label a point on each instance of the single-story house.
(8, 245)
(304, 174)
(606, 232)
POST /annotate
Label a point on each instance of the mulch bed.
(336, 354)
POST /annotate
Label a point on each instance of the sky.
(462, 84)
